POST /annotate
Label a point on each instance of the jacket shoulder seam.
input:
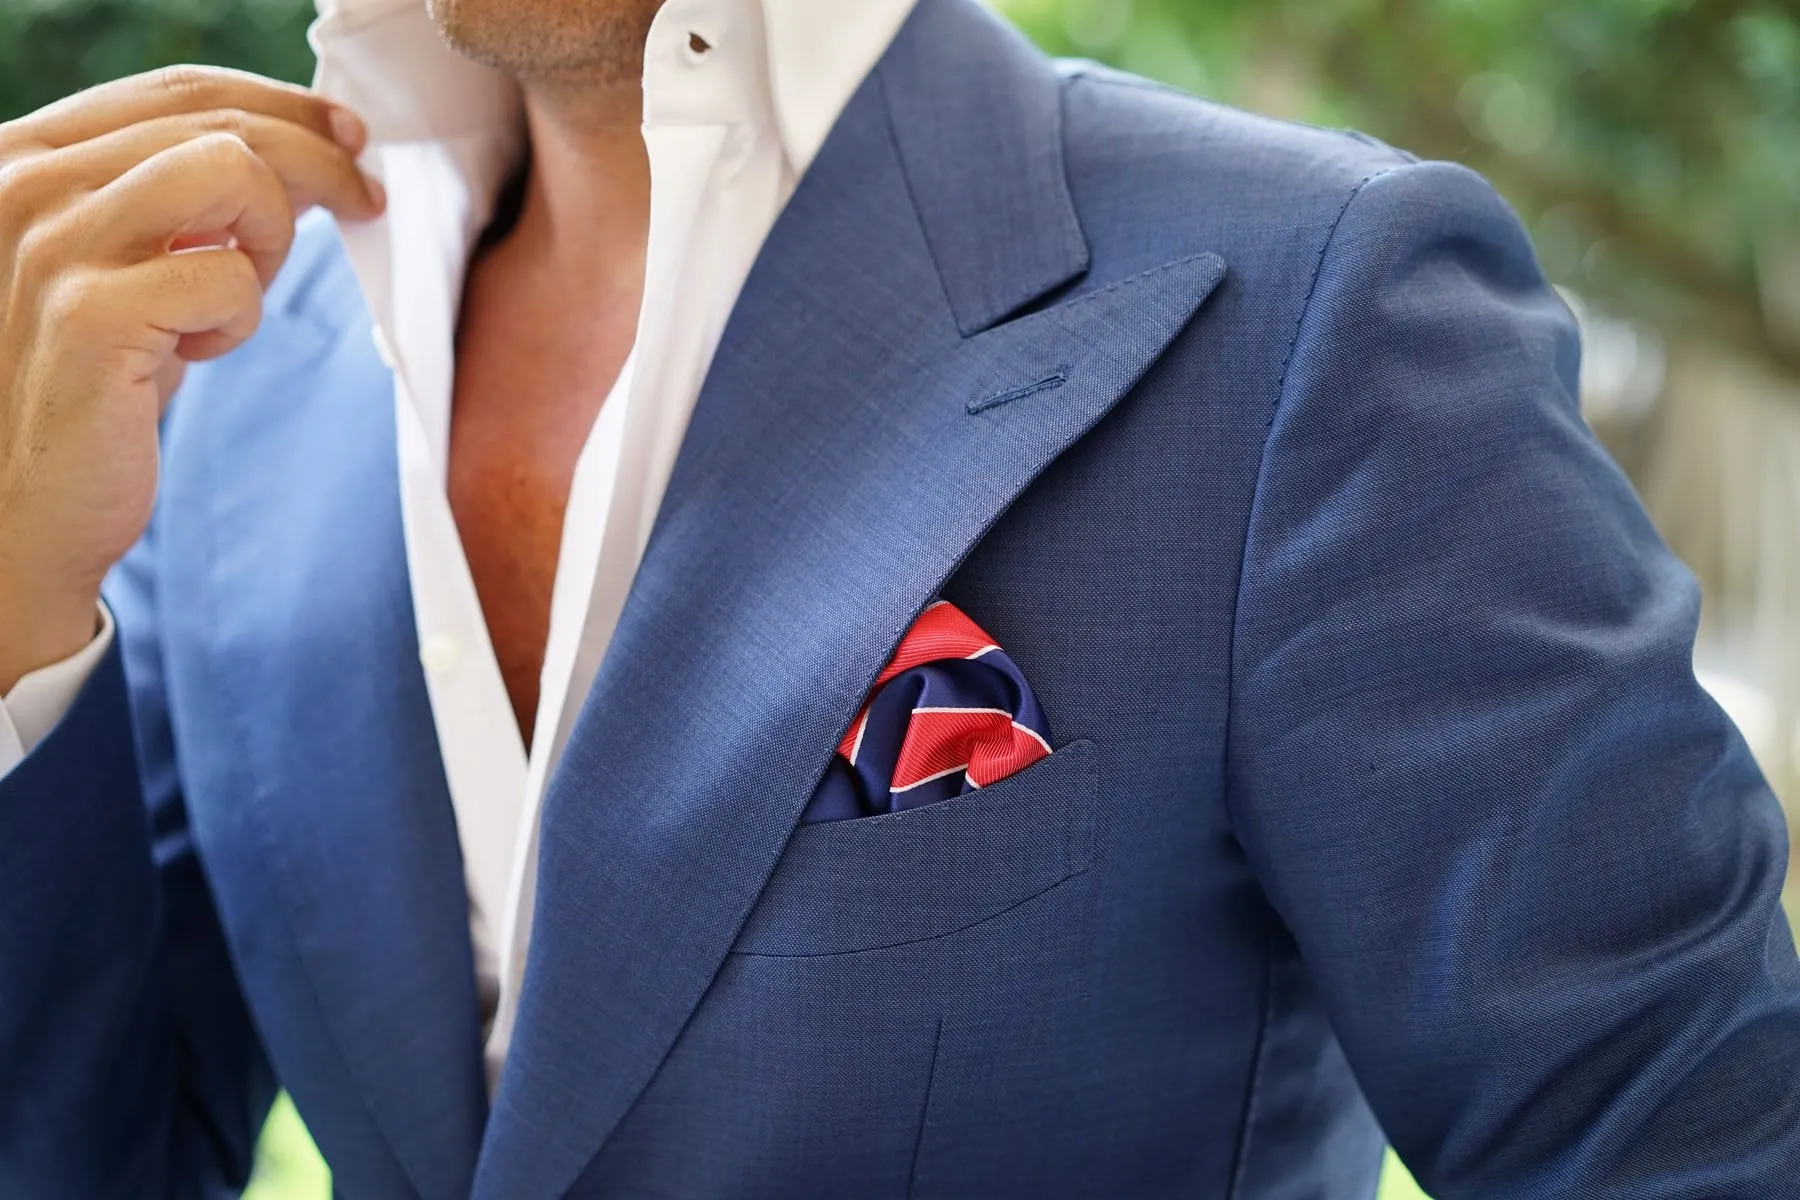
(1262, 464)
(1312, 285)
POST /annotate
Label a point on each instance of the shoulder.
(1136, 119)
(1150, 164)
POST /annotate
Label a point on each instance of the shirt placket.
(690, 111)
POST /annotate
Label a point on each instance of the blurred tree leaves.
(1653, 146)
(49, 48)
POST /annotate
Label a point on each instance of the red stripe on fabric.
(943, 631)
(939, 740)
(853, 738)
(993, 761)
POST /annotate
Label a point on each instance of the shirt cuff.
(38, 701)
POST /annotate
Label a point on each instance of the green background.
(1651, 146)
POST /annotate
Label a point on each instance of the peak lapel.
(849, 448)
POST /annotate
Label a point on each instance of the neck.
(585, 215)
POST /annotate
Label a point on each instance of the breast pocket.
(903, 981)
(868, 884)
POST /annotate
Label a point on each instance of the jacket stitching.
(917, 941)
(1048, 384)
(1256, 1070)
(912, 1180)
(1262, 467)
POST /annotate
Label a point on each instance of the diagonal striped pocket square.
(950, 713)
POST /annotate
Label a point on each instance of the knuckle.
(41, 249)
(24, 182)
(228, 144)
(66, 303)
(18, 190)
(234, 122)
(15, 141)
(188, 86)
(228, 153)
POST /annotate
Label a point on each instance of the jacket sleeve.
(38, 702)
(128, 1064)
(1529, 863)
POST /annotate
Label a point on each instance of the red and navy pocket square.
(949, 714)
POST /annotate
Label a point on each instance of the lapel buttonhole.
(1047, 384)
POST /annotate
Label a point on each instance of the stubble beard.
(595, 42)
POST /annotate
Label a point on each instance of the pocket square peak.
(951, 712)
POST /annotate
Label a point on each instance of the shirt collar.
(385, 59)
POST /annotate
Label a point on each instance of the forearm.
(36, 703)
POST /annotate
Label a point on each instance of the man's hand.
(140, 223)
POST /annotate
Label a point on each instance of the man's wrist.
(38, 631)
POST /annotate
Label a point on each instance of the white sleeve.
(38, 701)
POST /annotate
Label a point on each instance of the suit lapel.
(346, 897)
(870, 412)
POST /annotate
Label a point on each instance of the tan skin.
(550, 312)
(549, 316)
(140, 223)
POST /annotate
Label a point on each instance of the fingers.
(313, 169)
(176, 91)
(197, 305)
(212, 184)
(176, 159)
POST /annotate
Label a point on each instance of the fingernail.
(377, 193)
(349, 130)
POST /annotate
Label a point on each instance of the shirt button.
(441, 652)
(384, 350)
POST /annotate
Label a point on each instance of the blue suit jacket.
(1383, 791)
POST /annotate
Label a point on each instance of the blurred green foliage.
(49, 48)
(1653, 146)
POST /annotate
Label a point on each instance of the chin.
(549, 37)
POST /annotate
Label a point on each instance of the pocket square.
(949, 714)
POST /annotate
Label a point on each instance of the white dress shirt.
(739, 96)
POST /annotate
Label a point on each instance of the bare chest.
(523, 408)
